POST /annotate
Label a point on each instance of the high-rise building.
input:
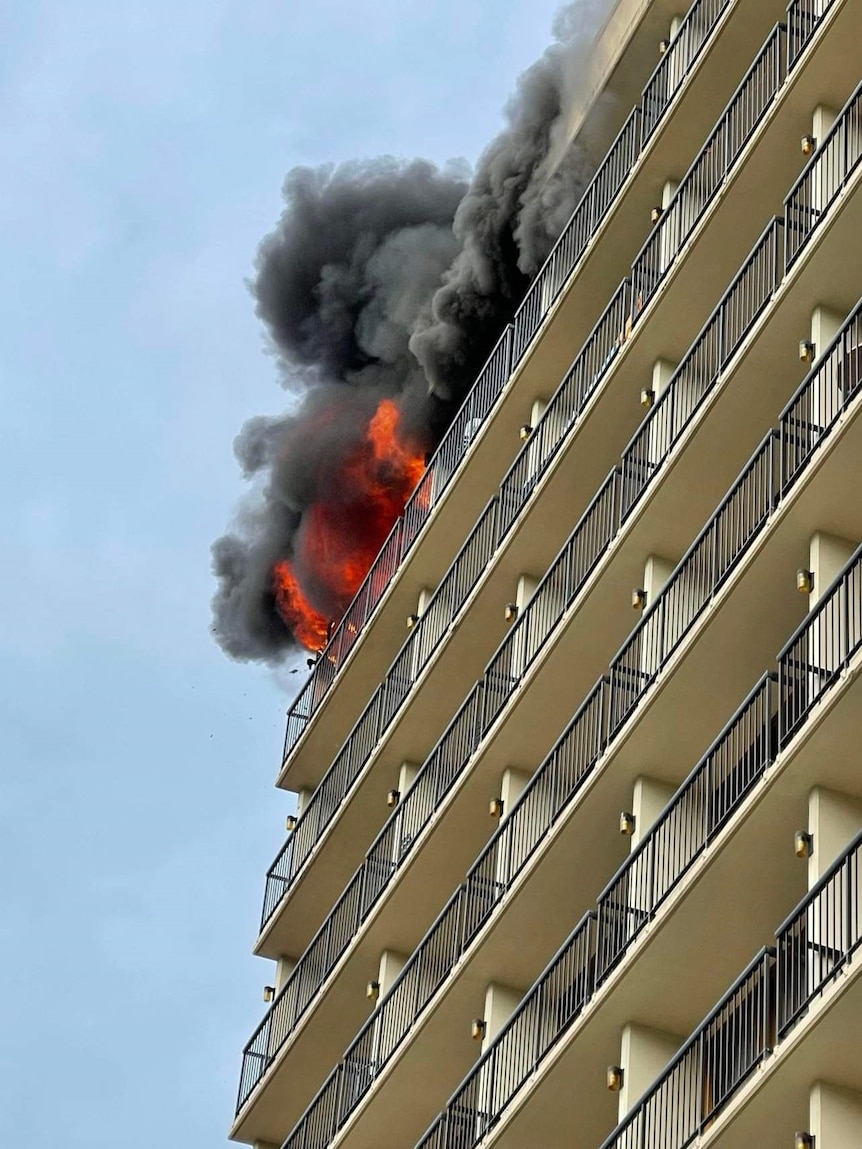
(576, 862)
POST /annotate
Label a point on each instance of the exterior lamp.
(478, 1028)
(268, 993)
(804, 581)
(803, 844)
(808, 144)
(525, 432)
(656, 214)
(806, 351)
(372, 990)
(495, 807)
(393, 798)
(290, 823)
(311, 663)
(663, 46)
(511, 611)
(627, 823)
(647, 397)
(615, 1078)
(412, 619)
(804, 1140)
(639, 598)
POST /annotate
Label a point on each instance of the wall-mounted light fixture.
(412, 619)
(803, 844)
(808, 144)
(639, 598)
(525, 432)
(663, 46)
(393, 798)
(311, 663)
(615, 1078)
(627, 823)
(511, 611)
(647, 397)
(478, 1028)
(803, 1140)
(656, 214)
(495, 807)
(268, 993)
(372, 990)
(290, 823)
(804, 581)
(806, 351)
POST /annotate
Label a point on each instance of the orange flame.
(340, 541)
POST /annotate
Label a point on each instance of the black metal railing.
(819, 938)
(555, 1000)
(712, 1065)
(710, 169)
(824, 177)
(427, 634)
(705, 801)
(824, 394)
(736, 313)
(554, 594)
(821, 648)
(384, 859)
(803, 20)
(676, 63)
(586, 218)
(579, 383)
(697, 578)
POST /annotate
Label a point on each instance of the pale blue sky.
(142, 146)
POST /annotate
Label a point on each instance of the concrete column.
(263, 1145)
(509, 860)
(825, 325)
(822, 122)
(501, 1001)
(657, 570)
(662, 373)
(425, 595)
(391, 965)
(303, 797)
(669, 235)
(407, 772)
(644, 1054)
(512, 787)
(284, 967)
(834, 819)
(835, 1116)
(526, 589)
(827, 557)
(648, 800)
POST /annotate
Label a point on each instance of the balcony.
(470, 918)
(622, 189)
(697, 375)
(743, 790)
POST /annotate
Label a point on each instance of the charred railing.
(814, 658)
(712, 1065)
(824, 177)
(820, 937)
(700, 808)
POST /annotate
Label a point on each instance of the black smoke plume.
(387, 279)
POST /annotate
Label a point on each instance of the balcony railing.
(694, 583)
(736, 313)
(820, 937)
(748, 106)
(813, 659)
(594, 205)
(424, 638)
(824, 177)
(803, 20)
(698, 811)
(556, 999)
(712, 1065)
(384, 859)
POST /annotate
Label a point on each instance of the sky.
(143, 145)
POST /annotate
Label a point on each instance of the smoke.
(384, 280)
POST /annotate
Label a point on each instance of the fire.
(340, 538)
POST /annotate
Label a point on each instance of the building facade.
(576, 863)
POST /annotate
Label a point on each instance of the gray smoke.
(387, 278)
